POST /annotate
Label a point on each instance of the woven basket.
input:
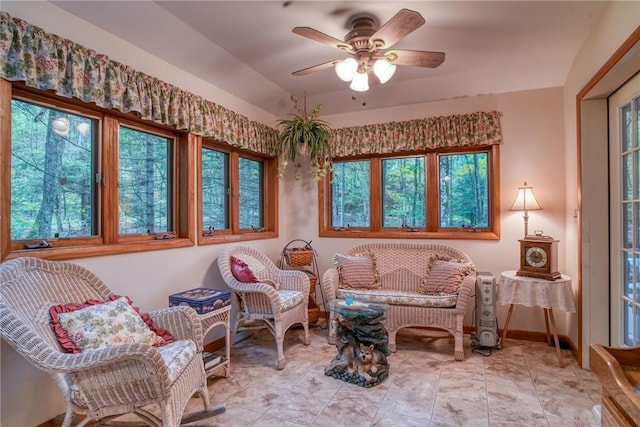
(314, 312)
(297, 257)
(313, 281)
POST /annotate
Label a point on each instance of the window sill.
(217, 239)
(86, 251)
(366, 234)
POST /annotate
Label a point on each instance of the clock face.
(536, 257)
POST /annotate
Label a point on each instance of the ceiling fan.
(368, 47)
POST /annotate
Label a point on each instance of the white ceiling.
(247, 47)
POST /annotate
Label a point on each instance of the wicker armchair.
(107, 382)
(262, 305)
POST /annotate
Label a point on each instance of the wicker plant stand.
(298, 254)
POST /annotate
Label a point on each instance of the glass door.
(624, 149)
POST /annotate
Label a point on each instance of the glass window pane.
(627, 225)
(636, 335)
(627, 177)
(350, 194)
(627, 277)
(215, 197)
(637, 139)
(250, 198)
(464, 195)
(626, 128)
(52, 173)
(635, 226)
(628, 323)
(636, 277)
(144, 182)
(636, 155)
(403, 192)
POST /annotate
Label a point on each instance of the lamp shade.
(384, 70)
(525, 200)
(346, 69)
(360, 82)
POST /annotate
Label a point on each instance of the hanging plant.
(304, 135)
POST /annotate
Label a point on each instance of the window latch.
(165, 236)
(40, 245)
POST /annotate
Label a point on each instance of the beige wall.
(535, 149)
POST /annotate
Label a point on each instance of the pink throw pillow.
(242, 272)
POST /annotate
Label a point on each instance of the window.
(438, 194)
(145, 180)
(53, 191)
(65, 201)
(238, 194)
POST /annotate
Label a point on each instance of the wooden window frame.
(107, 241)
(269, 228)
(432, 230)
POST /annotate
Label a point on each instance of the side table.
(362, 343)
(534, 292)
(209, 321)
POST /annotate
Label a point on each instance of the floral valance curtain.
(48, 62)
(460, 130)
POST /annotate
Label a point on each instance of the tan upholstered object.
(403, 267)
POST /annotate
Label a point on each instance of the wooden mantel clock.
(539, 257)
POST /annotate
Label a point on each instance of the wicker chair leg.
(307, 340)
(392, 341)
(459, 349)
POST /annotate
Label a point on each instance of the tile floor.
(518, 385)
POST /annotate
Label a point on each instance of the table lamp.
(525, 201)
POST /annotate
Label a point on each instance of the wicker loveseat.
(401, 271)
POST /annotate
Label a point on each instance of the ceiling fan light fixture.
(360, 82)
(346, 69)
(384, 70)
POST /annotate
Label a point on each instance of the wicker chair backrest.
(29, 286)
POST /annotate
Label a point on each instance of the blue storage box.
(203, 300)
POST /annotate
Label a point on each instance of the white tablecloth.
(532, 292)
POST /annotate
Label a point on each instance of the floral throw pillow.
(98, 324)
(242, 272)
(357, 271)
(445, 277)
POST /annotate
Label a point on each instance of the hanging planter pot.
(302, 136)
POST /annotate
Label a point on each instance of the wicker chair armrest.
(183, 323)
(259, 288)
(467, 289)
(114, 355)
(293, 280)
(52, 360)
(330, 283)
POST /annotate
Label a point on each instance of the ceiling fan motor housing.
(363, 29)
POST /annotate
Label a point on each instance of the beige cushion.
(357, 271)
(395, 297)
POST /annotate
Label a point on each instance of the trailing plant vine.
(304, 135)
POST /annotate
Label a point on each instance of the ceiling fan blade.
(415, 58)
(316, 35)
(400, 25)
(318, 67)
